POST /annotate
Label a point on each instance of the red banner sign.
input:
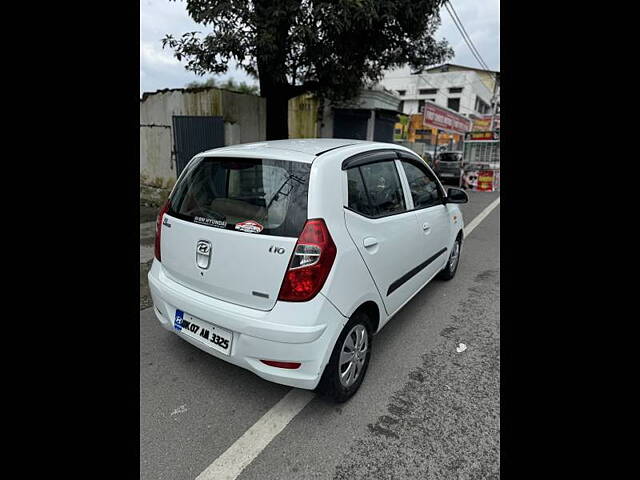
(481, 180)
(485, 180)
(444, 119)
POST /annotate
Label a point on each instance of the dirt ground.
(148, 214)
(145, 296)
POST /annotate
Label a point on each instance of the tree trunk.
(277, 113)
(271, 55)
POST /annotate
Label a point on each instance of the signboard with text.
(484, 123)
(445, 119)
(485, 180)
(482, 136)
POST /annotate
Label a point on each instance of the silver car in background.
(448, 167)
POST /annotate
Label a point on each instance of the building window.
(456, 90)
(428, 91)
(420, 105)
(401, 92)
(482, 106)
(453, 104)
(401, 106)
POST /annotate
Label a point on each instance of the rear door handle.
(426, 227)
(369, 242)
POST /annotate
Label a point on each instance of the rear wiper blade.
(280, 192)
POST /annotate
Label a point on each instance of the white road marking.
(179, 410)
(476, 221)
(239, 455)
(245, 449)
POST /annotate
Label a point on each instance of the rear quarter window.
(267, 197)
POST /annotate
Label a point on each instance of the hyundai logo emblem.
(203, 253)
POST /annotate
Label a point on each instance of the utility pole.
(494, 102)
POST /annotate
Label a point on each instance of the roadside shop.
(481, 161)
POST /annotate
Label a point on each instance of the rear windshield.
(266, 197)
(450, 157)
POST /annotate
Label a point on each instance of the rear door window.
(375, 189)
(358, 199)
(262, 196)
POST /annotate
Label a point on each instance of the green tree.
(210, 82)
(229, 84)
(331, 48)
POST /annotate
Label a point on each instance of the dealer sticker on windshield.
(250, 226)
(210, 221)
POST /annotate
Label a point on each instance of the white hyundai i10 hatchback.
(286, 257)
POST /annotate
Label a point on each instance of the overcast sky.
(159, 69)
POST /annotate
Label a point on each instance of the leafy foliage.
(327, 47)
(229, 84)
(331, 48)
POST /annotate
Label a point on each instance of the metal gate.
(195, 134)
(348, 123)
(383, 131)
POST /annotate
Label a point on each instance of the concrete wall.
(487, 77)
(369, 99)
(325, 129)
(245, 121)
(303, 117)
(244, 117)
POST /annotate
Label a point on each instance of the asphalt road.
(424, 411)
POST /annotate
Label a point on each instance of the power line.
(462, 33)
(466, 33)
(466, 37)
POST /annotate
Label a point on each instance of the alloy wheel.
(353, 355)
(455, 255)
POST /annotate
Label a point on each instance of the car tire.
(451, 267)
(334, 384)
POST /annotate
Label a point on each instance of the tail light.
(163, 210)
(310, 264)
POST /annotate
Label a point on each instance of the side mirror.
(457, 195)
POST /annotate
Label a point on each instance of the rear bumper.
(302, 332)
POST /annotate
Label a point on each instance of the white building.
(466, 90)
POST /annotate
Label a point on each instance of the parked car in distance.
(286, 257)
(448, 166)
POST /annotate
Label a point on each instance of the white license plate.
(447, 174)
(211, 335)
